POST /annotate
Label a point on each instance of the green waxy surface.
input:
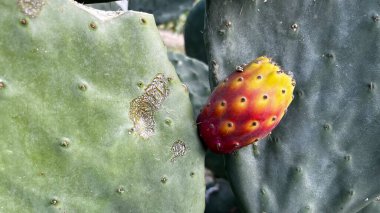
(325, 154)
(67, 80)
(194, 75)
(107, 6)
(220, 198)
(163, 10)
(373, 207)
(193, 32)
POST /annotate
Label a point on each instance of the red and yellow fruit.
(246, 106)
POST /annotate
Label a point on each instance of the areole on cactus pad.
(246, 106)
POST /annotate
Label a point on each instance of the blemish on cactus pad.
(31, 8)
(143, 21)
(178, 149)
(2, 84)
(65, 142)
(142, 108)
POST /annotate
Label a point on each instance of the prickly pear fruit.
(246, 106)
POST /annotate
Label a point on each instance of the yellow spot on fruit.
(227, 127)
(256, 65)
(278, 100)
(273, 79)
(239, 104)
(264, 75)
(268, 68)
(237, 82)
(252, 125)
(261, 103)
(220, 108)
(270, 121)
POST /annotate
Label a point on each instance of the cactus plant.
(92, 121)
(220, 198)
(108, 6)
(193, 32)
(163, 10)
(373, 207)
(194, 74)
(324, 155)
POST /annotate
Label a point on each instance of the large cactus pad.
(93, 117)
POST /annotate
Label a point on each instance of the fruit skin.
(246, 106)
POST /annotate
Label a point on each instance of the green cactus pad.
(220, 198)
(373, 207)
(68, 139)
(325, 154)
(194, 75)
(108, 6)
(193, 32)
(163, 10)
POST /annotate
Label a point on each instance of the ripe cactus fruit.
(246, 106)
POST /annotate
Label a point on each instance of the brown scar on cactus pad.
(246, 106)
(2, 84)
(179, 149)
(142, 108)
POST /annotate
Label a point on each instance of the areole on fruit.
(246, 106)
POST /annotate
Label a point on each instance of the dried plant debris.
(142, 108)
